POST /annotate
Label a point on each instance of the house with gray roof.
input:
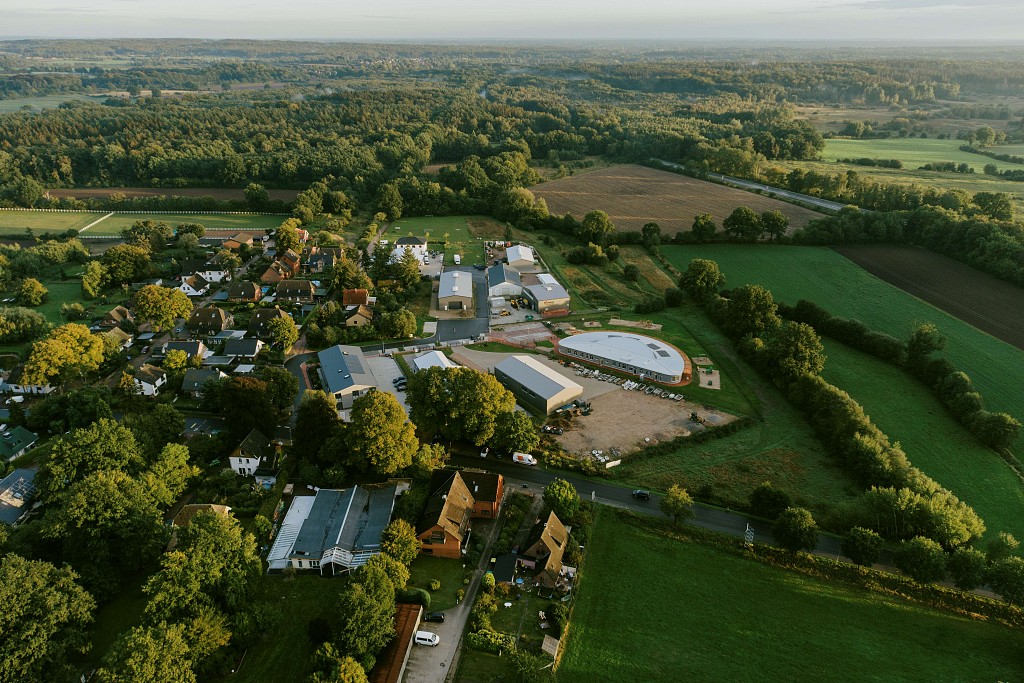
(536, 385)
(209, 320)
(194, 379)
(16, 491)
(503, 281)
(149, 378)
(342, 529)
(345, 374)
(255, 457)
(243, 348)
(259, 323)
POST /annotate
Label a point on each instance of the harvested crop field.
(634, 195)
(989, 304)
(220, 193)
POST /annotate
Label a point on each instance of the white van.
(427, 638)
(458, 259)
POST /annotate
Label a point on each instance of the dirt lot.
(624, 419)
(634, 195)
(221, 193)
(989, 304)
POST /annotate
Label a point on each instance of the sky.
(910, 21)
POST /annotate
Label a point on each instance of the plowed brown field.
(634, 195)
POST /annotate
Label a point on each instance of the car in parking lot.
(479, 266)
(427, 638)
(550, 429)
(399, 379)
(641, 494)
(437, 617)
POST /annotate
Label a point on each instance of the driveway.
(385, 369)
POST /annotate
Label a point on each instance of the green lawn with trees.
(254, 224)
(698, 613)
(845, 290)
(940, 446)
(913, 152)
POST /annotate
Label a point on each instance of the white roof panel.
(638, 350)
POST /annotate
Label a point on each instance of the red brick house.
(444, 528)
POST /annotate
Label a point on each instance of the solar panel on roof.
(653, 346)
(355, 366)
(663, 354)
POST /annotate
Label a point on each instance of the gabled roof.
(548, 543)
(539, 378)
(256, 444)
(501, 274)
(208, 316)
(352, 519)
(361, 310)
(187, 512)
(118, 313)
(293, 288)
(519, 253)
(242, 347)
(195, 378)
(241, 237)
(278, 268)
(449, 506)
(264, 315)
(191, 347)
(14, 440)
(243, 289)
(193, 265)
(150, 374)
(432, 359)
(119, 335)
(455, 283)
(483, 485)
(547, 292)
(354, 297)
(410, 241)
(343, 367)
(197, 282)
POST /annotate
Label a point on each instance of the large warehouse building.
(536, 385)
(636, 354)
(455, 291)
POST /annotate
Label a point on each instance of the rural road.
(748, 185)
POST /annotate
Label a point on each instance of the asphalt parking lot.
(386, 369)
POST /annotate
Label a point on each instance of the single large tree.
(105, 445)
(922, 559)
(286, 236)
(283, 332)
(774, 224)
(743, 224)
(458, 403)
(563, 499)
(315, 421)
(702, 279)
(44, 621)
(92, 279)
(406, 271)
(514, 431)
(792, 350)
(863, 546)
(704, 227)
(796, 530)
(161, 306)
(1006, 577)
(399, 541)
(68, 351)
(282, 386)
(31, 292)
(677, 504)
(126, 262)
(380, 437)
(596, 227)
(751, 310)
(967, 566)
(366, 613)
(149, 654)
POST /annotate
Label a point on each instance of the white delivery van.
(427, 638)
(524, 459)
(458, 259)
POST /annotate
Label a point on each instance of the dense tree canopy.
(161, 306)
(458, 403)
(380, 437)
(69, 350)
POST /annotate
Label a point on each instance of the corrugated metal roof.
(535, 376)
(455, 283)
(637, 350)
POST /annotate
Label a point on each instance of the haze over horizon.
(913, 21)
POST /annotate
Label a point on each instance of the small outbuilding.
(432, 359)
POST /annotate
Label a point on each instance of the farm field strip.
(635, 195)
(846, 290)
(913, 152)
(13, 222)
(230, 222)
(649, 608)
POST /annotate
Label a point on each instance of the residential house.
(358, 316)
(503, 281)
(319, 259)
(209, 320)
(487, 489)
(14, 384)
(115, 316)
(519, 257)
(340, 530)
(444, 529)
(194, 285)
(244, 291)
(455, 291)
(275, 272)
(195, 379)
(545, 550)
(291, 261)
(209, 270)
(417, 245)
(149, 378)
(237, 241)
(14, 442)
(259, 323)
(301, 291)
(243, 348)
(191, 348)
(117, 338)
(255, 457)
(355, 297)
(345, 374)
(16, 492)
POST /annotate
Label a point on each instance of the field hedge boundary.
(971, 605)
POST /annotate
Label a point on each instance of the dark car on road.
(640, 494)
(435, 617)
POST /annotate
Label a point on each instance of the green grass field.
(252, 224)
(933, 442)
(913, 152)
(437, 226)
(42, 102)
(449, 572)
(61, 293)
(650, 608)
(846, 290)
(15, 222)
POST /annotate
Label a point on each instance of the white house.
(503, 281)
(149, 378)
(15, 385)
(417, 245)
(194, 285)
(519, 257)
(255, 457)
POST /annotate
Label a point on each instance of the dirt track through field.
(635, 195)
(991, 305)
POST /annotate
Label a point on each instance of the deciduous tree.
(704, 227)
(768, 501)
(126, 262)
(92, 279)
(743, 224)
(105, 445)
(149, 654)
(283, 332)
(31, 292)
(863, 546)
(381, 438)
(702, 279)
(563, 499)
(366, 613)
(282, 386)
(922, 559)
(1006, 577)
(316, 419)
(774, 224)
(161, 306)
(751, 310)
(514, 431)
(399, 541)
(677, 504)
(458, 403)
(796, 530)
(967, 566)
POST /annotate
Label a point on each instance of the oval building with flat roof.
(636, 354)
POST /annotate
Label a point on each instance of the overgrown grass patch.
(649, 608)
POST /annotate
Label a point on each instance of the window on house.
(300, 564)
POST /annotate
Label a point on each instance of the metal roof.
(501, 274)
(547, 292)
(16, 489)
(519, 253)
(455, 283)
(352, 519)
(637, 350)
(432, 359)
(535, 376)
(343, 367)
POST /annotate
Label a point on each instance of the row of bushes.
(877, 163)
(1009, 158)
(851, 332)
(938, 597)
(491, 641)
(515, 513)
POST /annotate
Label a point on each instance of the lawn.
(43, 102)
(448, 571)
(284, 654)
(935, 443)
(913, 152)
(433, 228)
(650, 608)
(61, 293)
(15, 222)
(844, 289)
(252, 224)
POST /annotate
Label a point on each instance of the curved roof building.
(636, 354)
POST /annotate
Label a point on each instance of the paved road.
(749, 185)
